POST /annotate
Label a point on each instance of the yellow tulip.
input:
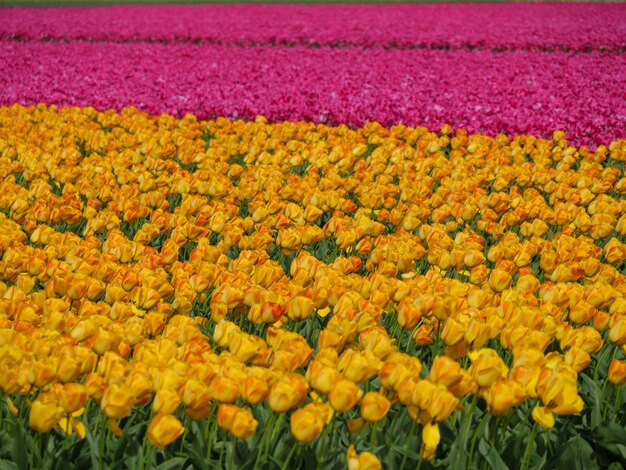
(164, 429)
(306, 425)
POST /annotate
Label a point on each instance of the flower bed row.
(210, 293)
(576, 27)
(528, 93)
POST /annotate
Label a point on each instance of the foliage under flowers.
(179, 292)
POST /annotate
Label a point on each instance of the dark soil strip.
(320, 44)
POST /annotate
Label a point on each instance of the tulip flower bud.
(224, 389)
(358, 367)
(306, 425)
(288, 392)
(430, 440)
(500, 280)
(487, 367)
(255, 390)
(237, 421)
(617, 333)
(96, 386)
(164, 429)
(362, 461)
(408, 314)
(577, 358)
(445, 371)
(166, 401)
(617, 372)
(299, 308)
(44, 416)
(104, 341)
(116, 402)
(72, 397)
(374, 406)
(344, 395)
(453, 332)
(503, 395)
(543, 416)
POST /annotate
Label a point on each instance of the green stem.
(208, 432)
(394, 330)
(549, 441)
(479, 430)
(493, 429)
(95, 367)
(606, 398)
(101, 432)
(408, 444)
(24, 404)
(373, 438)
(277, 425)
(67, 433)
(604, 352)
(182, 439)
(221, 459)
(43, 447)
(503, 430)
(327, 430)
(454, 418)
(419, 464)
(147, 463)
(437, 342)
(31, 455)
(467, 420)
(410, 343)
(606, 382)
(260, 452)
(293, 449)
(529, 447)
(145, 445)
(618, 399)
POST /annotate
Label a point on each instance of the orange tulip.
(617, 372)
(237, 421)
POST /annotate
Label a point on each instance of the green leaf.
(195, 456)
(175, 462)
(610, 433)
(611, 437)
(8, 465)
(491, 455)
(400, 449)
(93, 448)
(457, 458)
(591, 391)
(576, 454)
(20, 456)
(6, 444)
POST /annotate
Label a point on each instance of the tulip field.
(313, 237)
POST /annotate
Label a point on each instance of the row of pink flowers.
(513, 26)
(513, 92)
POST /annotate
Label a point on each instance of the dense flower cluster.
(576, 27)
(227, 271)
(529, 93)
